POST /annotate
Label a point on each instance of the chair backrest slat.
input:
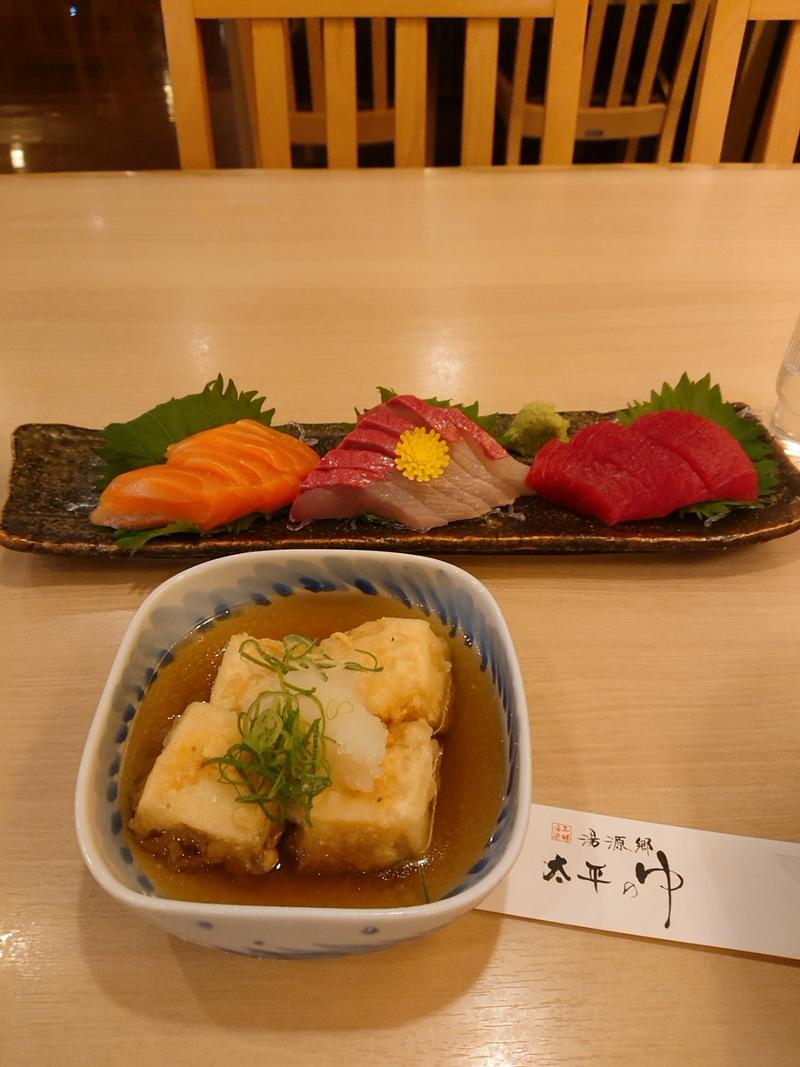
(339, 37)
(594, 37)
(189, 86)
(720, 59)
(655, 46)
(767, 10)
(783, 128)
(564, 82)
(647, 80)
(622, 57)
(480, 90)
(680, 82)
(239, 38)
(411, 104)
(753, 73)
(272, 92)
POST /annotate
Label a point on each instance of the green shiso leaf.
(490, 423)
(240, 524)
(145, 439)
(136, 539)
(705, 399)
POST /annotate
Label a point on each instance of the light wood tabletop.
(661, 688)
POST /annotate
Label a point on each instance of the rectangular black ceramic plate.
(52, 492)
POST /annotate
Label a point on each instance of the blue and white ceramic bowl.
(212, 589)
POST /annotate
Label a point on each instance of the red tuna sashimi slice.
(584, 484)
(712, 451)
(668, 482)
(621, 473)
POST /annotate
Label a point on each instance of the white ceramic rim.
(460, 902)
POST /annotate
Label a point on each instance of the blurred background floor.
(84, 86)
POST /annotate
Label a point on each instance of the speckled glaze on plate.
(52, 492)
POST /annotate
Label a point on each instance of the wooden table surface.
(660, 688)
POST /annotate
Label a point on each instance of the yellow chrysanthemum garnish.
(421, 455)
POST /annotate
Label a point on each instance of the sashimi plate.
(52, 492)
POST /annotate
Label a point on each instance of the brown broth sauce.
(472, 764)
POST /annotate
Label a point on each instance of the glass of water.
(786, 416)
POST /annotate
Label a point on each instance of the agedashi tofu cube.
(183, 795)
(415, 680)
(239, 680)
(356, 739)
(391, 824)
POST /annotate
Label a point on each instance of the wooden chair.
(753, 75)
(722, 53)
(271, 75)
(619, 111)
(375, 123)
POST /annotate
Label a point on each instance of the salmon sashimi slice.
(252, 440)
(210, 479)
(249, 468)
(153, 496)
(241, 467)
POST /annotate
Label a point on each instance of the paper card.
(653, 880)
